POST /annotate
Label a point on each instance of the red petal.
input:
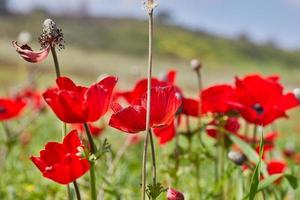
(72, 142)
(68, 171)
(190, 107)
(165, 134)
(131, 119)
(164, 105)
(31, 56)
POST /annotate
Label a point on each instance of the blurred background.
(230, 37)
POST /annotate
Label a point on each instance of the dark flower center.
(258, 108)
(2, 110)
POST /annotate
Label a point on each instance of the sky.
(261, 20)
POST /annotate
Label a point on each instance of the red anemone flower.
(29, 55)
(78, 104)
(232, 125)
(261, 100)
(215, 99)
(62, 162)
(10, 108)
(31, 97)
(132, 119)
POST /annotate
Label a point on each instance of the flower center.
(2, 110)
(258, 108)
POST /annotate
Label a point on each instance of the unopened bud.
(24, 37)
(237, 157)
(173, 194)
(51, 35)
(296, 92)
(196, 65)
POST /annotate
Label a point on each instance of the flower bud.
(237, 157)
(196, 65)
(296, 92)
(173, 194)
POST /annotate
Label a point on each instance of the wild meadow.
(159, 113)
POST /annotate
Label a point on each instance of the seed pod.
(237, 157)
(51, 35)
(196, 64)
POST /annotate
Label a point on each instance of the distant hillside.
(129, 36)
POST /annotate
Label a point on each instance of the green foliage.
(153, 191)
(293, 181)
(256, 175)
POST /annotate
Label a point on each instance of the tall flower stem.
(199, 78)
(56, 64)
(77, 190)
(92, 162)
(153, 157)
(150, 7)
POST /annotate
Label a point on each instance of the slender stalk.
(92, 163)
(56, 64)
(69, 192)
(199, 77)
(254, 134)
(153, 157)
(148, 133)
(77, 190)
(93, 181)
(90, 138)
(144, 167)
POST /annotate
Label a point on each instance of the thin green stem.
(90, 138)
(93, 181)
(254, 134)
(77, 190)
(69, 192)
(56, 64)
(144, 174)
(153, 158)
(92, 163)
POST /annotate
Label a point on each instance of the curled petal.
(29, 55)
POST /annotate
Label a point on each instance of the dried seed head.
(196, 64)
(51, 35)
(296, 92)
(237, 157)
(24, 37)
(150, 5)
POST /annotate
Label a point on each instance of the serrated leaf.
(293, 181)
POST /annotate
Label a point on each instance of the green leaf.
(255, 178)
(266, 183)
(153, 191)
(293, 181)
(248, 151)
